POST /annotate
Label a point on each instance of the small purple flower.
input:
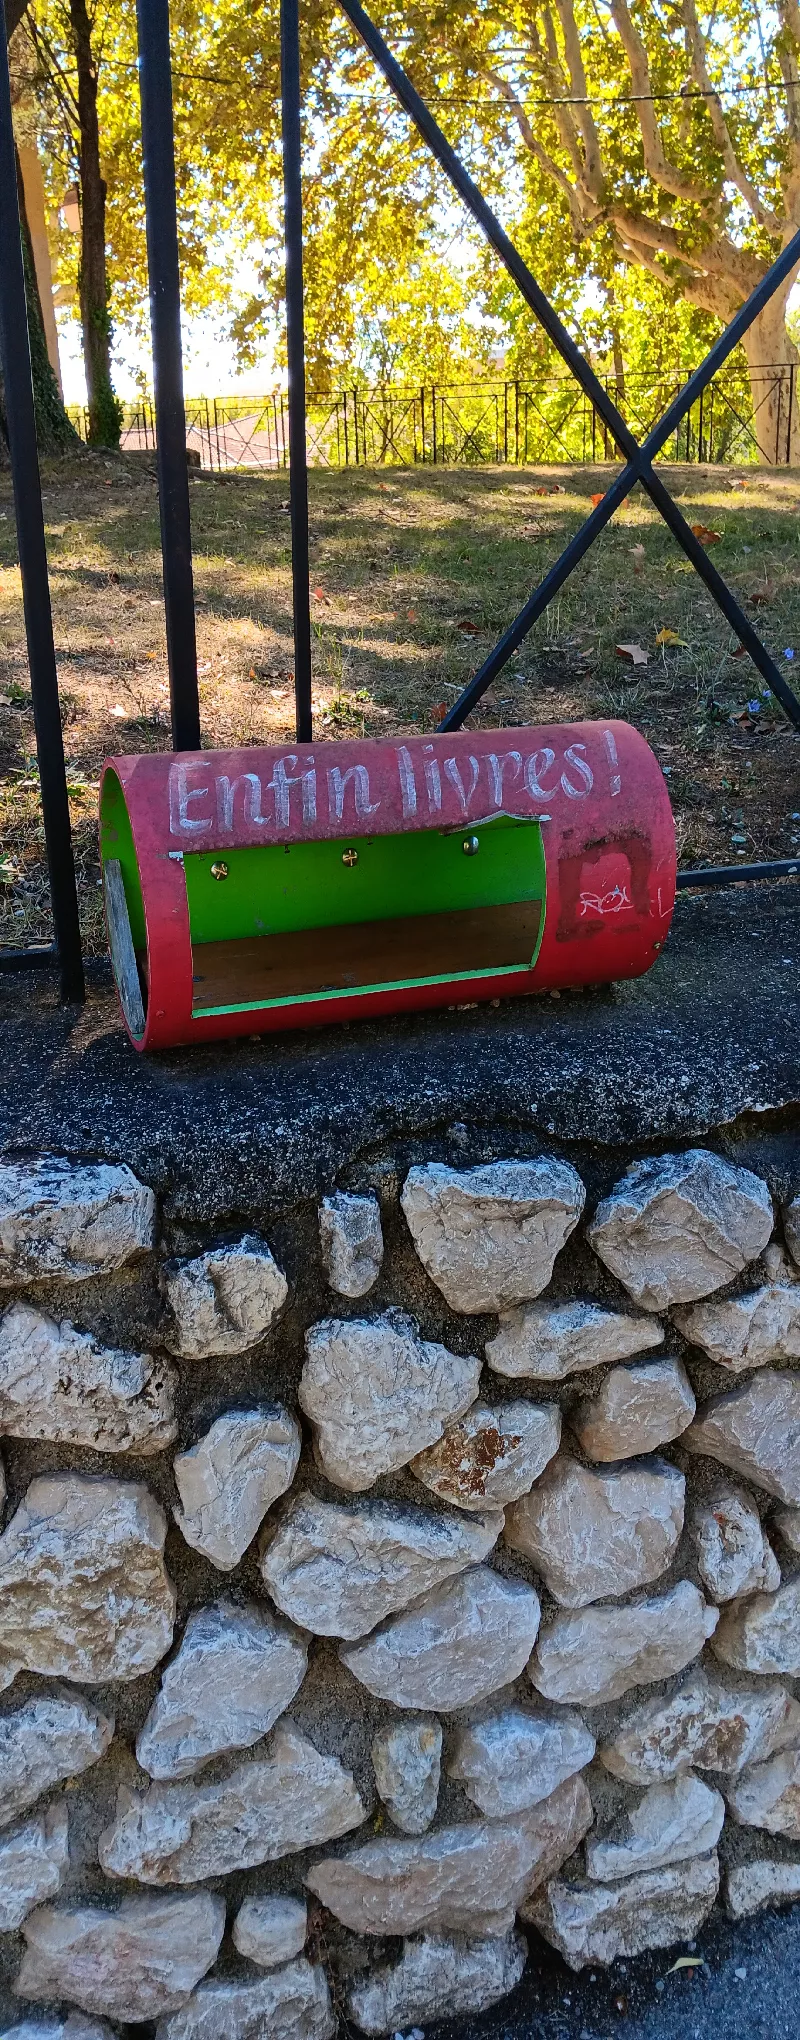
(788, 654)
(754, 707)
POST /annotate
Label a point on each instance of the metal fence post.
(295, 354)
(16, 362)
(155, 83)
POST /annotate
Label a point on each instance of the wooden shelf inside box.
(256, 969)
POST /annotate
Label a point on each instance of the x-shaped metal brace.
(638, 457)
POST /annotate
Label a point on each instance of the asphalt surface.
(746, 1987)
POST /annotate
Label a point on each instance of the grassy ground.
(415, 573)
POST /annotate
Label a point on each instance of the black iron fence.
(534, 421)
(598, 414)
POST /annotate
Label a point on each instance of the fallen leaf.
(637, 656)
(637, 552)
(706, 535)
(439, 710)
(759, 597)
(669, 637)
(467, 627)
(118, 710)
(687, 1962)
(128, 603)
(541, 492)
(739, 653)
(253, 673)
(556, 489)
(412, 615)
(598, 498)
(533, 530)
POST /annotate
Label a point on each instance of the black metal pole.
(296, 360)
(16, 364)
(155, 83)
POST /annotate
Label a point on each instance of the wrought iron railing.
(530, 421)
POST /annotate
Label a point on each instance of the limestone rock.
(667, 1825)
(57, 1382)
(598, 1922)
(709, 1724)
(791, 1227)
(768, 1795)
(492, 1456)
(264, 1809)
(406, 1759)
(290, 2004)
(438, 1978)
(337, 1570)
(741, 1332)
(236, 1671)
(351, 1238)
(750, 1886)
(34, 1860)
(49, 1738)
(70, 1219)
(229, 1479)
(787, 1523)
(597, 1654)
(593, 1534)
(377, 1393)
(467, 1879)
(271, 1930)
(452, 1648)
(733, 1555)
(74, 2027)
(756, 1431)
(512, 1760)
(133, 1963)
(636, 1410)
(677, 1227)
(550, 1341)
(84, 1593)
(488, 1237)
(763, 1634)
(223, 1301)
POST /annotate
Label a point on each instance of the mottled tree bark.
(104, 410)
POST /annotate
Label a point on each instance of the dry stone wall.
(387, 1583)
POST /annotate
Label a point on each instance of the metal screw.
(219, 871)
(350, 857)
(470, 846)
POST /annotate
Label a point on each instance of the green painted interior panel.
(307, 885)
(116, 840)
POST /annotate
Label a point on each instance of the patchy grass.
(415, 573)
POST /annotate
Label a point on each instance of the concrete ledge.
(710, 1037)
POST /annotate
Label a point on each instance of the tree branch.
(656, 162)
(581, 217)
(592, 158)
(734, 170)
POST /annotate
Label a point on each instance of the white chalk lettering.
(613, 759)
(497, 769)
(535, 769)
(583, 769)
(310, 792)
(281, 784)
(433, 781)
(408, 784)
(227, 790)
(456, 780)
(338, 783)
(180, 794)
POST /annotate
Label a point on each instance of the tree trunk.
(772, 361)
(105, 414)
(54, 432)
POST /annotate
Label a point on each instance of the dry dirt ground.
(415, 573)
